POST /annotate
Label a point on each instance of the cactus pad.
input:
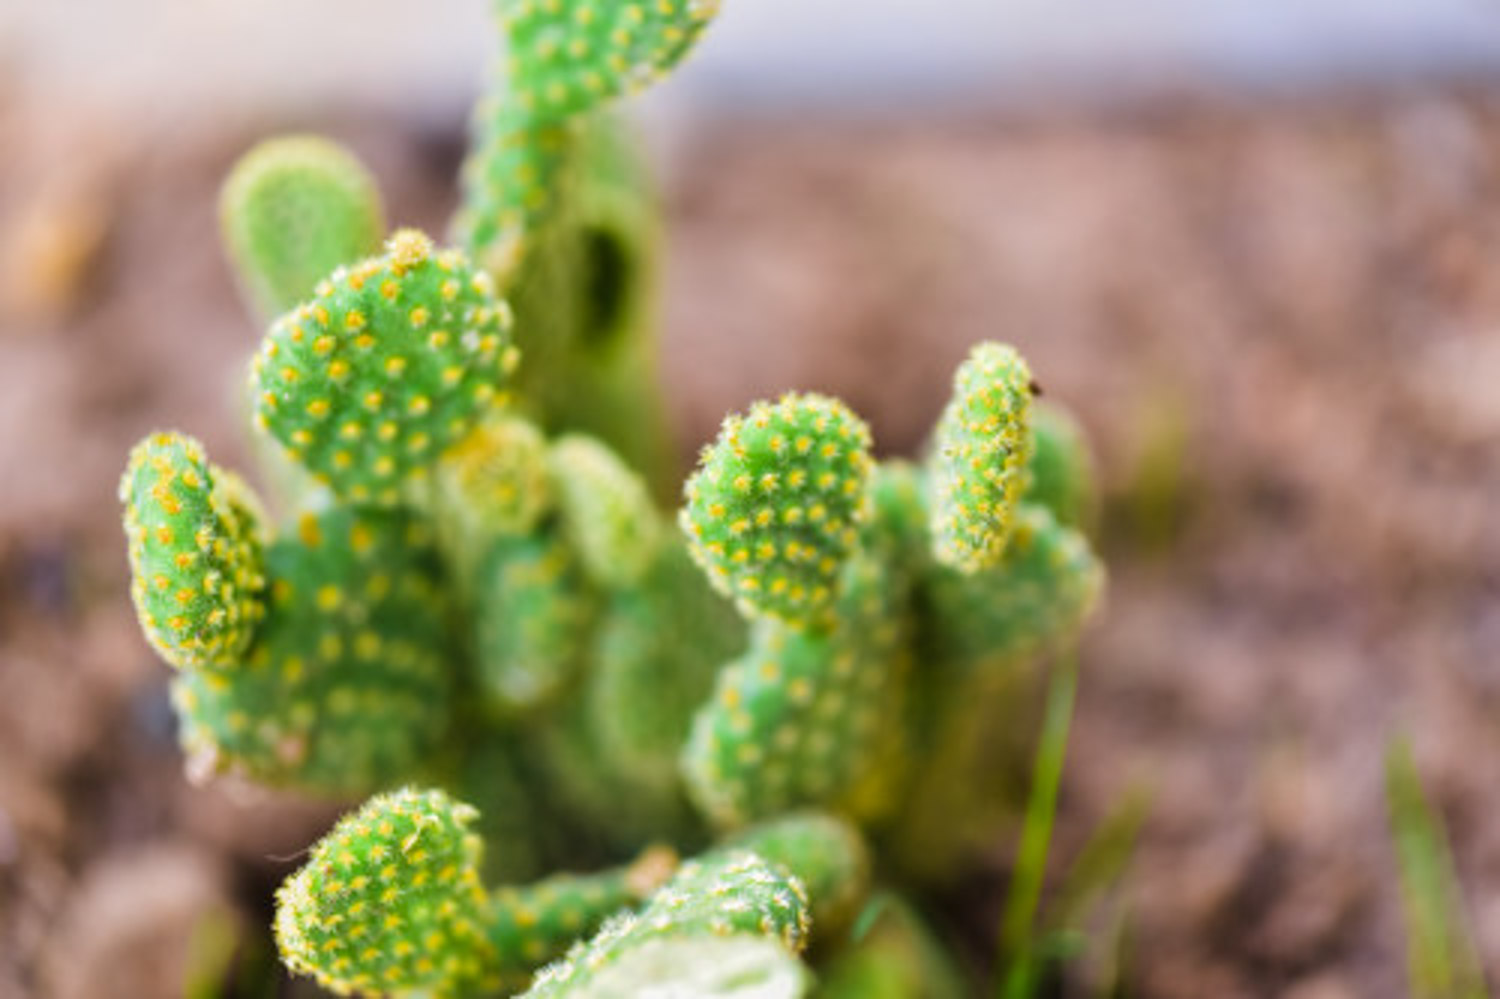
(197, 567)
(291, 211)
(569, 56)
(347, 685)
(730, 894)
(606, 511)
(981, 447)
(776, 505)
(395, 359)
(390, 900)
(495, 480)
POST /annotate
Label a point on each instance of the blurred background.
(1255, 245)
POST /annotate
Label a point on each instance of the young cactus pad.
(606, 511)
(395, 359)
(776, 505)
(390, 900)
(291, 211)
(979, 457)
(197, 568)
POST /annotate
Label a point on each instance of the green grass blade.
(1441, 959)
(1102, 862)
(1019, 968)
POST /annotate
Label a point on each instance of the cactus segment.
(395, 359)
(292, 210)
(775, 508)
(802, 717)
(703, 967)
(390, 901)
(196, 559)
(1062, 476)
(981, 447)
(729, 894)
(606, 511)
(532, 924)
(897, 957)
(533, 615)
(495, 481)
(658, 649)
(826, 854)
(347, 685)
(569, 56)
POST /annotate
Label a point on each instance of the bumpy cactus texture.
(982, 445)
(292, 210)
(776, 505)
(496, 480)
(397, 358)
(195, 553)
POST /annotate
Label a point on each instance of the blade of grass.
(1017, 970)
(1102, 861)
(1441, 960)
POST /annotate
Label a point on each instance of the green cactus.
(980, 451)
(731, 894)
(1062, 476)
(566, 57)
(396, 359)
(195, 553)
(775, 507)
(292, 210)
(533, 615)
(606, 511)
(475, 589)
(345, 686)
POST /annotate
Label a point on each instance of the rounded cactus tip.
(776, 504)
(293, 209)
(390, 900)
(981, 448)
(395, 359)
(197, 566)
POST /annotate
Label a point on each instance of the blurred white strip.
(203, 53)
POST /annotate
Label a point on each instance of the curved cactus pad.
(1061, 473)
(197, 568)
(568, 56)
(395, 359)
(982, 445)
(826, 854)
(291, 211)
(390, 900)
(704, 967)
(728, 895)
(495, 480)
(776, 505)
(347, 684)
(606, 511)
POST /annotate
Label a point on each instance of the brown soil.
(1281, 327)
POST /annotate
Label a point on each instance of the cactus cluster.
(474, 608)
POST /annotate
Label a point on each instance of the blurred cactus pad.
(609, 748)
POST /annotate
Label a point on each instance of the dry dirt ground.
(1280, 326)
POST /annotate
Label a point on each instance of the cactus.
(800, 687)
(982, 446)
(291, 211)
(775, 507)
(397, 358)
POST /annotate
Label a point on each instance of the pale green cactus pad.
(606, 511)
(775, 507)
(496, 480)
(197, 567)
(292, 210)
(394, 360)
(347, 686)
(1061, 471)
(980, 452)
